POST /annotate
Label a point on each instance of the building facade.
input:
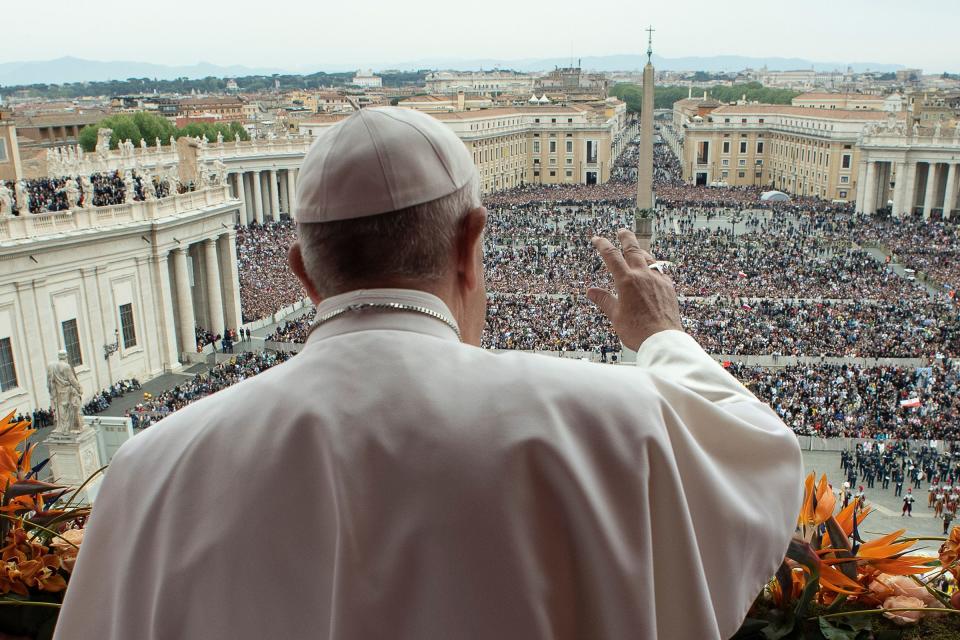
(799, 150)
(121, 289)
(911, 171)
(479, 82)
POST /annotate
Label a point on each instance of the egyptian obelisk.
(643, 225)
(643, 217)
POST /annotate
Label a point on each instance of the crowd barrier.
(816, 443)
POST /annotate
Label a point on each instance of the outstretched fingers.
(612, 258)
(632, 253)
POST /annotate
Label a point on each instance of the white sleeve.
(676, 356)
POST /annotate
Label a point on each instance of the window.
(743, 146)
(743, 121)
(759, 148)
(761, 120)
(742, 162)
(127, 326)
(724, 174)
(553, 146)
(569, 120)
(8, 372)
(569, 146)
(725, 162)
(553, 120)
(844, 179)
(757, 174)
(846, 161)
(741, 174)
(726, 120)
(553, 174)
(591, 151)
(569, 173)
(569, 160)
(3, 150)
(843, 194)
(726, 146)
(71, 342)
(536, 146)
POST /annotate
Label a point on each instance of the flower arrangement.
(834, 585)
(40, 534)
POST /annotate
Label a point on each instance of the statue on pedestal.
(149, 189)
(129, 188)
(157, 140)
(236, 138)
(219, 138)
(72, 192)
(87, 187)
(65, 395)
(103, 142)
(143, 144)
(6, 200)
(23, 197)
(173, 143)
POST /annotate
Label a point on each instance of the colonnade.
(215, 287)
(917, 187)
(266, 193)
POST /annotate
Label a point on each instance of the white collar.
(390, 320)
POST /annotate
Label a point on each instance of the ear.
(295, 260)
(470, 248)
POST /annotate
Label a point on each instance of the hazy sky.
(921, 33)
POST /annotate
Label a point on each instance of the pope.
(394, 480)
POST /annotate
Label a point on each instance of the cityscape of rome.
(757, 232)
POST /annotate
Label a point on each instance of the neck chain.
(386, 306)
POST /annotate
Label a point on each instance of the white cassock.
(390, 482)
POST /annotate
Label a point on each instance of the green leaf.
(835, 632)
(751, 628)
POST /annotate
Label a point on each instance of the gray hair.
(415, 243)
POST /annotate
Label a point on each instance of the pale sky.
(921, 33)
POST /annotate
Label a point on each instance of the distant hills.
(70, 69)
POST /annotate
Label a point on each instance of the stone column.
(188, 325)
(861, 186)
(910, 193)
(291, 192)
(931, 189)
(160, 274)
(870, 190)
(257, 198)
(230, 281)
(214, 295)
(900, 188)
(242, 195)
(950, 195)
(274, 195)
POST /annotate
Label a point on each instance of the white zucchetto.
(380, 160)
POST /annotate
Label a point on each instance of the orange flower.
(818, 502)
(950, 550)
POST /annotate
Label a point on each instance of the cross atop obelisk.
(643, 225)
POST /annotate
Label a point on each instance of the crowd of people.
(237, 369)
(755, 278)
(885, 402)
(102, 401)
(44, 195)
(266, 283)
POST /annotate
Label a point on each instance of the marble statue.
(149, 188)
(220, 171)
(236, 138)
(65, 395)
(143, 144)
(87, 185)
(916, 130)
(72, 192)
(173, 143)
(219, 137)
(129, 187)
(937, 129)
(157, 140)
(23, 197)
(6, 200)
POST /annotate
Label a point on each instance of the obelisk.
(643, 220)
(643, 214)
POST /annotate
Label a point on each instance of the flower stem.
(870, 611)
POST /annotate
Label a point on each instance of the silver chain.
(385, 306)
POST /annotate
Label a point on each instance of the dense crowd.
(865, 402)
(294, 330)
(266, 283)
(43, 195)
(238, 369)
